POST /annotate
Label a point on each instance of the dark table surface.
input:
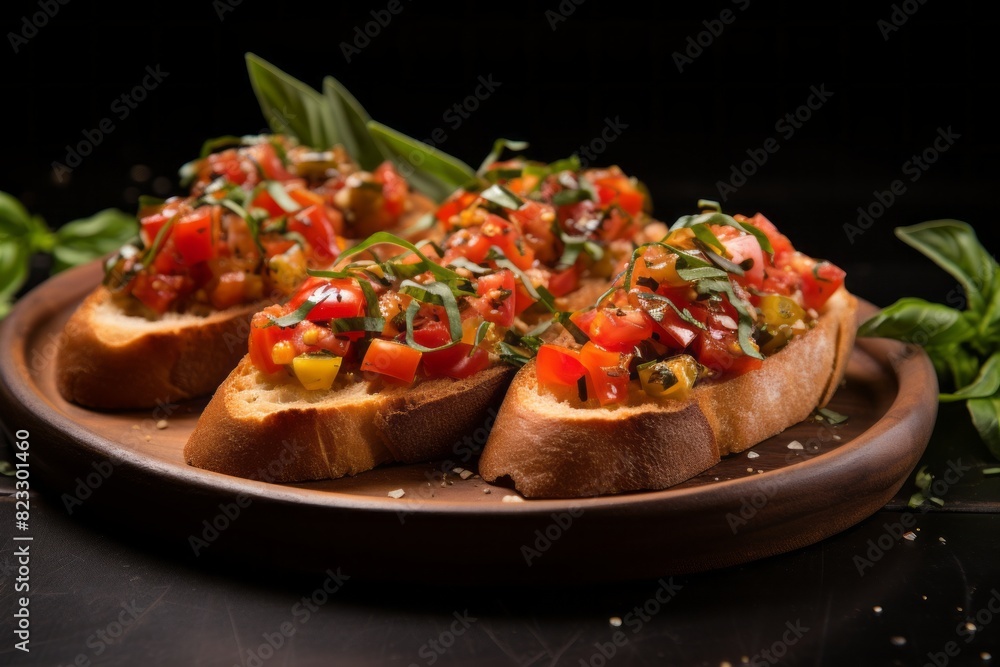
(105, 592)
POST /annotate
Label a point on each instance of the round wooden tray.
(747, 507)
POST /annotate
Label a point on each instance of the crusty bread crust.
(555, 448)
(281, 432)
(110, 360)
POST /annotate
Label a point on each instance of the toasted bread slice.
(281, 432)
(559, 448)
(110, 360)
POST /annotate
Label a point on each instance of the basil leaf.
(213, 145)
(281, 197)
(439, 272)
(498, 147)
(539, 294)
(745, 324)
(572, 163)
(447, 299)
(986, 384)
(512, 355)
(290, 106)
(716, 218)
(954, 360)
(351, 121)
(707, 237)
(953, 246)
(431, 171)
(684, 314)
(318, 296)
(481, 331)
(502, 197)
(918, 321)
(366, 324)
(83, 240)
(569, 197)
(14, 259)
(14, 218)
(464, 263)
(985, 414)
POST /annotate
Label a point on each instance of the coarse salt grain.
(795, 444)
(942, 540)
(512, 499)
(487, 490)
(877, 609)
(397, 493)
(971, 627)
(985, 657)
(837, 438)
(162, 424)
(753, 455)
(898, 641)
(615, 621)
(466, 474)
(910, 535)
(749, 469)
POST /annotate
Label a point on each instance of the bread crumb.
(760, 472)
(615, 621)
(753, 455)
(959, 609)
(795, 444)
(970, 626)
(749, 469)
(942, 540)
(512, 499)
(487, 490)
(465, 474)
(877, 609)
(898, 641)
(910, 535)
(398, 493)
(162, 424)
(923, 597)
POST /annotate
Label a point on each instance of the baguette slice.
(282, 432)
(110, 360)
(552, 448)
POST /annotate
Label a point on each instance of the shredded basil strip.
(726, 265)
(717, 218)
(318, 296)
(501, 196)
(707, 237)
(366, 324)
(438, 294)
(511, 355)
(438, 271)
(281, 197)
(498, 147)
(569, 197)
(464, 263)
(371, 301)
(745, 325)
(481, 331)
(684, 313)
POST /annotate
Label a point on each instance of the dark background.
(685, 130)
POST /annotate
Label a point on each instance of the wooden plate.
(803, 485)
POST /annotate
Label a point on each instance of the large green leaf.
(83, 240)
(986, 418)
(918, 321)
(351, 121)
(953, 246)
(290, 106)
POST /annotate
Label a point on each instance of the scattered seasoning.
(898, 641)
(760, 472)
(162, 424)
(615, 621)
(910, 535)
(749, 469)
(959, 609)
(837, 437)
(466, 474)
(832, 416)
(970, 626)
(753, 455)
(986, 657)
(795, 444)
(398, 493)
(877, 609)
(512, 499)
(716, 479)
(487, 490)
(923, 597)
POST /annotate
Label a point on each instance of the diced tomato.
(157, 291)
(263, 336)
(779, 242)
(496, 300)
(718, 348)
(742, 247)
(583, 318)
(316, 226)
(455, 204)
(619, 189)
(557, 365)
(459, 361)
(508, 239)
(820, 279)
(607, 374)
(522, 299)
(535, 220)
(266, 157)
(341, 297)
(394, 188)
(311, 337)
(229, 290)
(393, 359)
(194, 235)
(563, 282)
(620, 330)
(265, 201)
(152, 224)
(467, 243)
(304, 197)
(230, 166)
